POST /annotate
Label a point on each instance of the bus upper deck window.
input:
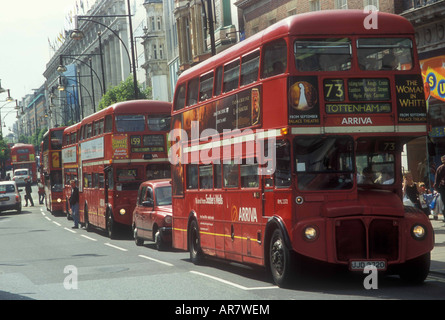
(206, 86)
(130, 123)
(180, 98)
(249, 68)
(274, 58)
(231, 76)
(323, 54)
(192, 92)
(385, 53)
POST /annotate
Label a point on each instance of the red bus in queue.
(270, 139)
(70, 164)
(23, 156)
(120, 147)
(52, 169)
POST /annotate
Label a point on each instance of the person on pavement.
(74, 203)
(28, 191)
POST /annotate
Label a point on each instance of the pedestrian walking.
(439, 181)
(74, 203)
(41, 192)
(412, 191)
(28, 191)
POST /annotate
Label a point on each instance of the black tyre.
(111, 226)
(416, 270)
(137, 240)
(280, 259)
(196, 254)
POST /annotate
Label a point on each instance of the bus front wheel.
(196, 254)
(416, 270)
(280, 259)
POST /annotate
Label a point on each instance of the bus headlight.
(59, 200)
(310, 233)
(122, 211)
(418, 232)
(168, 219)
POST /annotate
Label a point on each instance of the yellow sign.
(433, 72)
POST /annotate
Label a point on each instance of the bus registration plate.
(360, 265)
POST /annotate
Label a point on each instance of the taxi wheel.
(137, 240)
(160, 245)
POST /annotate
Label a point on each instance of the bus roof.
(318, 23)
(22, 146)
(133, 107)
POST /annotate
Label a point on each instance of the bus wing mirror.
(148, 203)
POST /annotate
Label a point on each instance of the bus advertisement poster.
(304, 108)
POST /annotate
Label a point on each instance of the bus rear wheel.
(280, 259)
(196, 254)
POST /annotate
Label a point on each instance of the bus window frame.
(266, 61)
(247, 61)
(204, 95)
(319, 64)
(384, 51)
(230, 69)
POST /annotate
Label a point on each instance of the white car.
(20, 175)
(10, 198)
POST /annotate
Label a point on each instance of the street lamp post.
(77, 34)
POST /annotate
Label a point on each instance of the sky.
(26, 28)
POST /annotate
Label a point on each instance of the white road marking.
(113, 246)
(232, 283)
(72, 231)
(156, 260)
(89, 238)
(56, 223)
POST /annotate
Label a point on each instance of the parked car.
(152, 216)
(10, 198)
(20, 175)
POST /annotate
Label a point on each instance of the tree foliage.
(123, 92)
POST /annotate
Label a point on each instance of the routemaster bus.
(23, 156)
(287, 146)
(52, 169)
(120, 147)
(70, 156)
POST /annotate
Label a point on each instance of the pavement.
(438, 254)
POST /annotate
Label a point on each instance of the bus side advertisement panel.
(303, 101)
(411, 105)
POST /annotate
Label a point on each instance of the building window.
(314, 5)
(341, 4)
(374, 3)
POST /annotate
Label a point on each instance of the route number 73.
(334, 90)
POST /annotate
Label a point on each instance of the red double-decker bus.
(23, 156)
(70, 165)
(287, 146)
(120, 147)
(52, 169)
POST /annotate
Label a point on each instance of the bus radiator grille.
(356, 240)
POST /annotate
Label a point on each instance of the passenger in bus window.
(389, 62)
(386, 176)
(277, 68)
(367, 176)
